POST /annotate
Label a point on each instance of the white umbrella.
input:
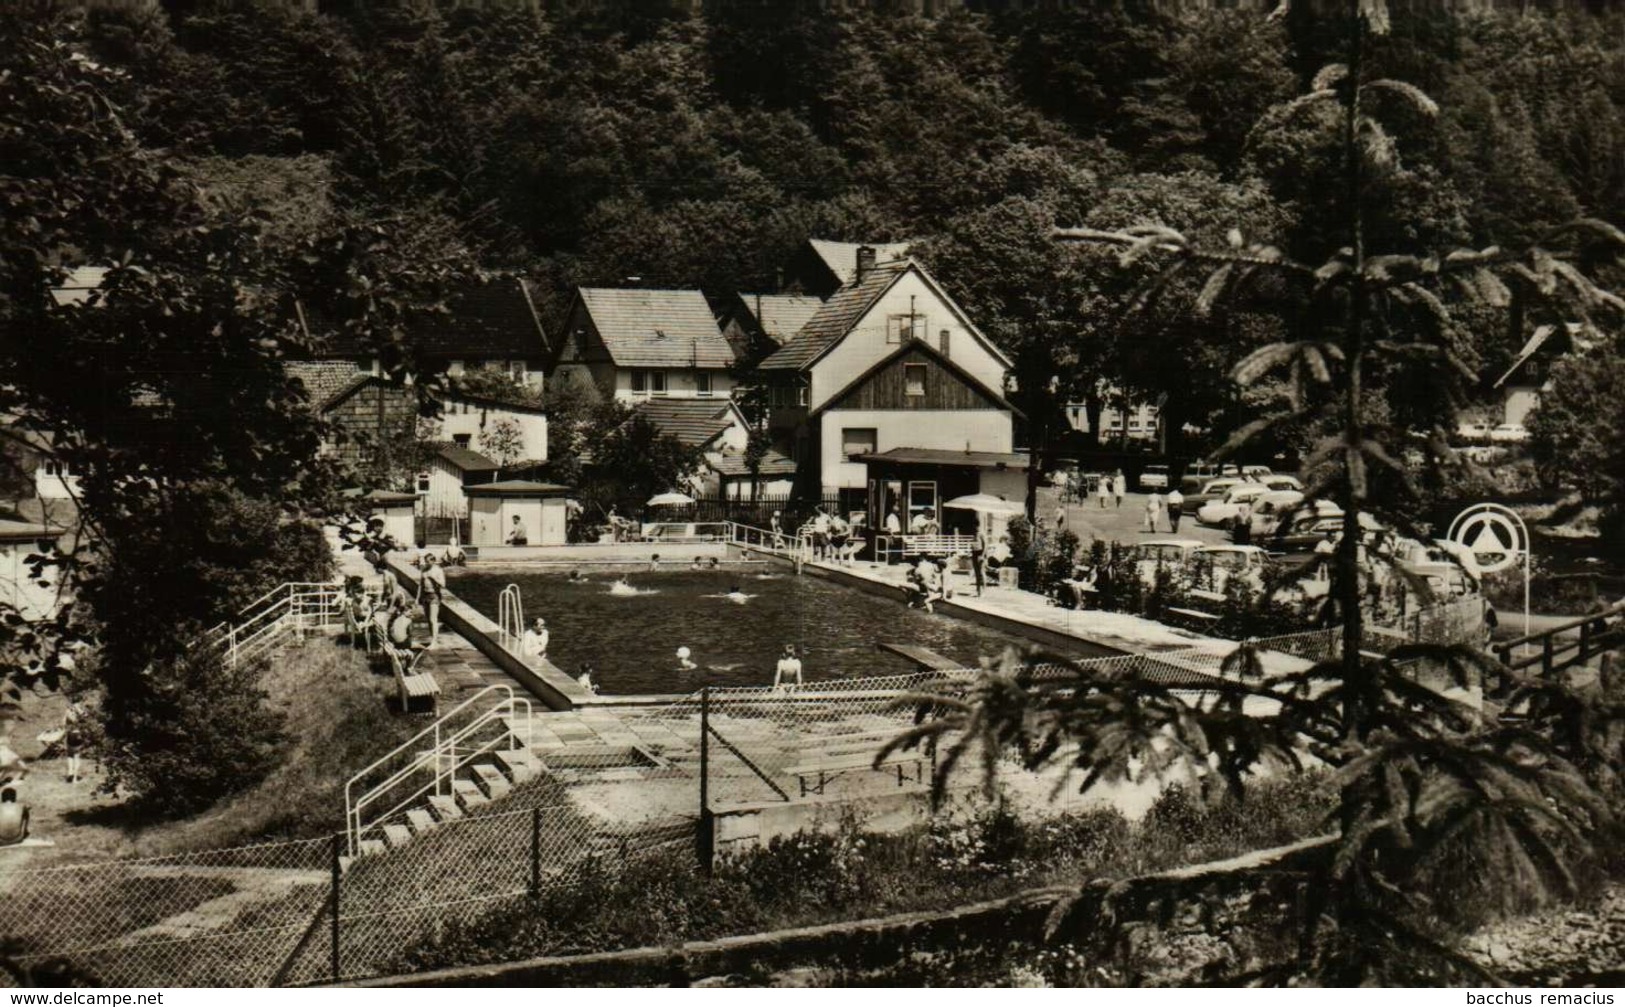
(985, 503)
(670, 500)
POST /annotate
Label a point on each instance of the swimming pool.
(632, 640)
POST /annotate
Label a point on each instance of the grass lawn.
(338, 720)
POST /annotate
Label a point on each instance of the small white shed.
(397, 511)
(538, 508)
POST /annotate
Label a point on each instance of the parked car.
(1473, 430)
(1215, 565)
(1510, 433)
(1305, 532)
(1212, 489)
(1220, 513)
(1267, 510)
(1166, 552)
(1154, 477)
(1210, 470)
(1277, 482)
(1256, 471)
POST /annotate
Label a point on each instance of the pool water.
(632, 640)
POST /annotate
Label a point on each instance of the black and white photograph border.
(729, 493)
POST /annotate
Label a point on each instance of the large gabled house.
(891, 397)
(634, 345)
(489, 323)
(1529, 374)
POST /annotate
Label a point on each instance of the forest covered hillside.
(700, 145)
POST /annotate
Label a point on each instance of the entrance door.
(922, 497)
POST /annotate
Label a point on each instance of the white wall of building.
(474, 420)
(1518, 401)
(867, 343)
(947, 429)
(31, 599)
(681, 383)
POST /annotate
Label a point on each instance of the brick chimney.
(866, 263)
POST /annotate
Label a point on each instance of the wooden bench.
(411, 683)
(1194, 613)
(936, 545)
(841, 753)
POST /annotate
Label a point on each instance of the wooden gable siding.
(885, 389)
(581, 343)
(369, 418)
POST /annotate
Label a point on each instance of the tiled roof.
(490, 319)
(657, 328)
(324, 380)
(773, 464)
(781, 316)
(466, 459)
(517, 487)
(834, 319)
(842, 256)
(695, 422)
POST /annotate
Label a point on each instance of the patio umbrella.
(985, 503)
(670, 500)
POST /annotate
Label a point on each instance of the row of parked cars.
(1474, 432)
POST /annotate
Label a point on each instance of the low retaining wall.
(877, 941)
(1015, 627)
(539, 677)
(739, 827)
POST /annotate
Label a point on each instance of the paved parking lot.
(1124, 524)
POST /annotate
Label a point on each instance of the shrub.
(197, 731)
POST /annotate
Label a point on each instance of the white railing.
(787, 544)
(511, 616)
(491, 720)
(295, 608)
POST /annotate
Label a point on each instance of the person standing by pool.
(978, 558)
(839, 533)
(1153, 510)
(820, 533)
(1119, 487)
(789, 667)
(777, 526)
(431, 591)
(894, 524)
(1103, 490)
(1176, 506)
(534, 644)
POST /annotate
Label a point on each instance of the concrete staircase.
(473, 788)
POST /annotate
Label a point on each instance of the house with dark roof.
(757, 324)
(719, 428)
(636, 345)
(470, 442)
(490, 322)
(1529, 375)
(821, 267)
(891, 363)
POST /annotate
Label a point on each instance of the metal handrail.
(507, 702)
(511, 616)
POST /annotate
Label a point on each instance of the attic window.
(914, 380)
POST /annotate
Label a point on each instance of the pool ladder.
(511, 616)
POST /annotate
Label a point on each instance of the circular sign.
(1493, 534)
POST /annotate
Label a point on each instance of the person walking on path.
(1176, 504)
(1153, 508)
(1119, 488)
(1103, 490)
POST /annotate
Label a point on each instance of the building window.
(423, 484)
(858, 441)
(902, 328)
(649, 382)
(913, 380)
(702, 385)
(942, 344)
(461, 440)
(516, 371)
(55, 468)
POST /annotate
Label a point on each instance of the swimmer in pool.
(576, 576)
(654, 562)
(624, 588)
(696, 564)
(737, 596)
(685, 660)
